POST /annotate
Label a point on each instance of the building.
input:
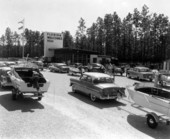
(70, 55)
(55, 52)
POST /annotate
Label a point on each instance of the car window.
(103, 80)
(144, 90)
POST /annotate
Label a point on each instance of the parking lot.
(64, 114)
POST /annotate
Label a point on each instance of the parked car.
(2, 64)
(28, 81)
(140, 73)
(118, 70)
(4, 77)
(96, 67)
(75, 69)
(39, 64)
(10, 63)
(59, 67)
(97, 86)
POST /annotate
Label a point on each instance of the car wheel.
(128, 76)
(39, 98)
(93, 97)
(151, 122)
(74, 88)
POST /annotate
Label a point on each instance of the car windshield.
(103, 80)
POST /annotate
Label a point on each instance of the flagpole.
(22, 35)
(23, 39)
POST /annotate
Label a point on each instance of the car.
(97, 86)
(28, 82)
(140, 73)
(164, 77)
(75, 69)
(10, 63)
(59, 67)
(4, 77)
(96, 67)
(118, 70)
(39, 64)
(2, 64)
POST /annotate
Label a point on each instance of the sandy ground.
(62, 114)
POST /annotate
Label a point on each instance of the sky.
(61, 15)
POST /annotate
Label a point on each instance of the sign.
(52, 41)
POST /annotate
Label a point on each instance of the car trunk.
(113, 91)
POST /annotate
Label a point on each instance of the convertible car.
(26, 81)
(97, 86)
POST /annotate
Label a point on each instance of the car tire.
(151, 122)
(39, 98)
(128, 76)
(93, 97)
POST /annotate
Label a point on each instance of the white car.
(28, 80)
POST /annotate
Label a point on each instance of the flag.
(21, 27)
(22, 21)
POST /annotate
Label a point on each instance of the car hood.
(106, 85)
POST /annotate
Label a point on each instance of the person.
(35, 80)
(81, 70)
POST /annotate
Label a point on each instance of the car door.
(133, 73)
(158, 103)
(82, 84)
(86, 83)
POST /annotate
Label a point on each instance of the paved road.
(62, 114)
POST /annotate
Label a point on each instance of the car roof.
(96, 74)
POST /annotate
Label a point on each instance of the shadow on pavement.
(139, 123)
(6, 89)
(23, 104)
(101, 104)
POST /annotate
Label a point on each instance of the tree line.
(139, 37)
